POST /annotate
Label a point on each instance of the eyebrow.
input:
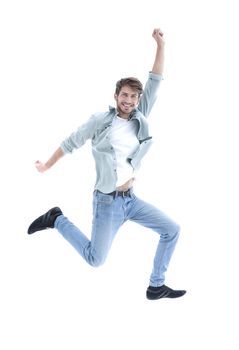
(127, 93)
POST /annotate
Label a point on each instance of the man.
(119, 139)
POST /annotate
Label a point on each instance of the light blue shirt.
(97, 129)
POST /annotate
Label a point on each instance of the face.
(126, 101)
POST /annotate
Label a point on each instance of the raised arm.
(159, 57)
(150, 93)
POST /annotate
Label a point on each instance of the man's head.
(127, 95)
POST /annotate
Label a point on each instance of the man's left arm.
(155, 76)
(159, 57)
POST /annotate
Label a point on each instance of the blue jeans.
(109, 213)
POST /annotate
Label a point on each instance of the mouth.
(126, 105)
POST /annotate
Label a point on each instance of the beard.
(125, 110)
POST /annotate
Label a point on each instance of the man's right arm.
(41, 167)
(74, 141)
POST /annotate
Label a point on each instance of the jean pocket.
(104, 198)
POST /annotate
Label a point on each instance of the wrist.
(47, 166)
(160, 45)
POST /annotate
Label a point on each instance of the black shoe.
(163, 291)
(45, 221)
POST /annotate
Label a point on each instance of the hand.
(40, 166)
(158, 36)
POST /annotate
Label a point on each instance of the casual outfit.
(98, 129)
(118, 146)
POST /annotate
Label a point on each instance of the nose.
(128, 99)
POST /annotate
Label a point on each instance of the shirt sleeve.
(150, 93)
(80, 136)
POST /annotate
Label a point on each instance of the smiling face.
(126, 101)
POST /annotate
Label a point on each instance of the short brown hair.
(134, 83)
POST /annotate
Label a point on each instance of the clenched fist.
(158, 36)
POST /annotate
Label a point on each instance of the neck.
(122, 115)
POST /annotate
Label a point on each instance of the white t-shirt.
(124, 140)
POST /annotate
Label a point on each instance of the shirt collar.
(132, 114)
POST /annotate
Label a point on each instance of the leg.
(147, 215)
(107, 218)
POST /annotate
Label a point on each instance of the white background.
(59, 64)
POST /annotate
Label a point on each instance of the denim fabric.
(97, 129)
(109, 214)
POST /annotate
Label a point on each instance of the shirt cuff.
(155, 76)
(64, 148)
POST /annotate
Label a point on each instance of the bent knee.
(171, 232)
(96, 261)
(177, 229)
(175, 232)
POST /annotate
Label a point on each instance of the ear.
(116, 97)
